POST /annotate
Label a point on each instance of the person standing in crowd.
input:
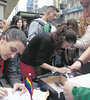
(75, 91)
(37, 28)
(1, 27)
(42, 48)
(12, 41)
(72, 24)
(18, 22)
(5, 24)
(26, 28)
(71, 54)
(84, 42)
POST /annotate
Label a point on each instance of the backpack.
(46, 27)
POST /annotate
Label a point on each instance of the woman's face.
(19, 24)
(10, 49)
(66, 44)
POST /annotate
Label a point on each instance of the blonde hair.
(5, 24)
(84, 22)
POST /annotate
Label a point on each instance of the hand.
(63, 70)
(68, 90)
(76, 65)
(19, 86)
(3, 92)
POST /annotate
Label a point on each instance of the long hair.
(14, 21)
(74, 24)
(63, 33)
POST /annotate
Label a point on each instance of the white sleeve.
(53, 28)
(84, 41)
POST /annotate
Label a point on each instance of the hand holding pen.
(76, 66)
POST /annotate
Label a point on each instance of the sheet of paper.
(82, 80)
(16, 95)
(39, 95)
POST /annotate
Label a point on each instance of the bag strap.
(42, 23)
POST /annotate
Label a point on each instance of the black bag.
(44, 87)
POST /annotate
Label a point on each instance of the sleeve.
(81, 93)
(84, 41)
(53, 29)
(9, 72)
(43, 52)
(33, 30)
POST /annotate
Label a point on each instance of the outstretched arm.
(84, 58)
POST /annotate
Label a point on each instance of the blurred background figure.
(1, 27)
(16, 20)
(72, 24)
(84, 23)
(73, 53)
(5, 24)
(26, 28)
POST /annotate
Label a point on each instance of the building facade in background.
(3, 4)
(68, 9)
(73, 10)
(35, 5)
(30, 5)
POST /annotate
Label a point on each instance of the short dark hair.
(52, 8)
(24, 20)
(70, 36)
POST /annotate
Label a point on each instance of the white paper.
(16, 95)
(39, 95)
(82, 80)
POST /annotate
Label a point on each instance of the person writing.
(84, 42)
(42, 48)
(74, 91)
(12, 41)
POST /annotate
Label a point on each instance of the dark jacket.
(9, 76)
(38, 51)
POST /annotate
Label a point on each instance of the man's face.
(51, 16)
(86, 8)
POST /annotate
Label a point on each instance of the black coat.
(38, 51)
(9, 75)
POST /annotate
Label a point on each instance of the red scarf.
(1, 66)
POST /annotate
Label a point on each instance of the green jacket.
(81, 93)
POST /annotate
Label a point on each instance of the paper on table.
(40, 95)
(82, 80)
(37, 95)
(16, 95)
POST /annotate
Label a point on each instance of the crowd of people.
(35, 48)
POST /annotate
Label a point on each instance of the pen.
(58, 84)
